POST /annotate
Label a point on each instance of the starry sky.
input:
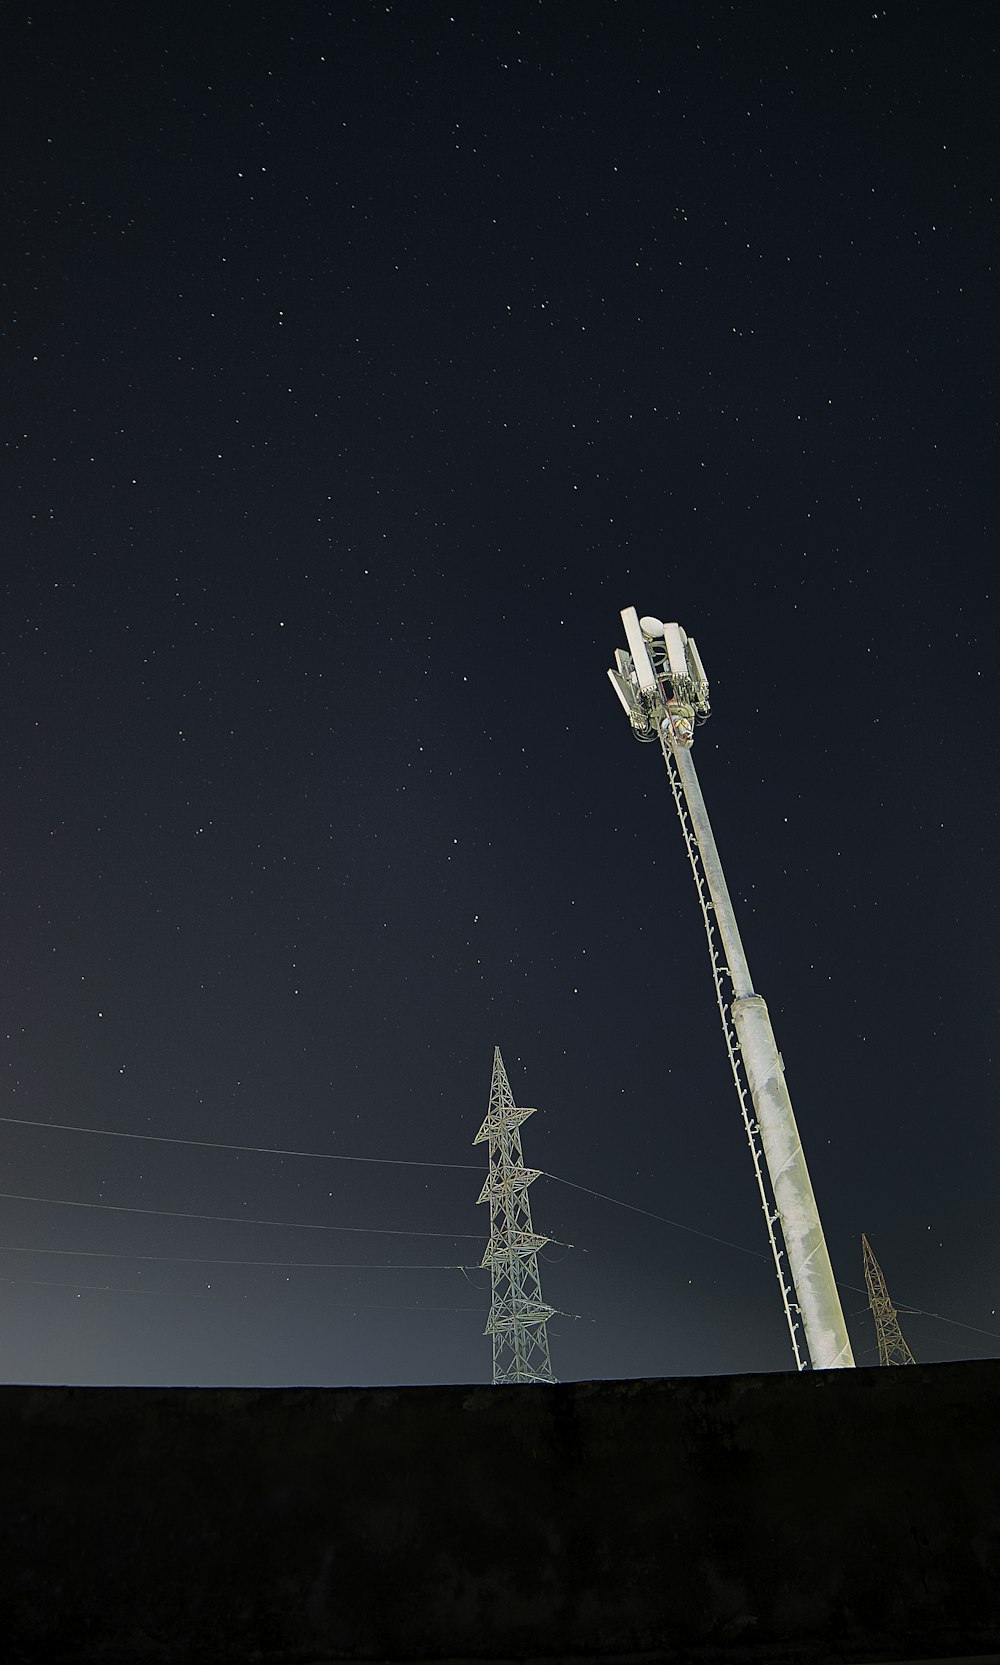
(361, 361)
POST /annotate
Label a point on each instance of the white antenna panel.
(675, 652)
(616, 683)
(637, 647)
(694, 660)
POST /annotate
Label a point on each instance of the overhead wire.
(255, 1150)
(918, 1312)
(110, 1289)
(214, 1260)
(235, 1219)
(726, 1242)
(218, 1295)
(329, 1156)
(332, 1156)
(663, 1219)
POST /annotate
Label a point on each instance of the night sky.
(360, 363)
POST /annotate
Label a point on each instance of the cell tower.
(519, 1317)
(662, 686)
(892, 1348)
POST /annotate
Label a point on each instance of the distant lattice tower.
(892, 1349)
(518, 1317)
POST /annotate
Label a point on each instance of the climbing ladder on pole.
(720, 970)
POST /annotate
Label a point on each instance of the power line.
(109, 1289)
(677, 1224)
(214, 1144)
(918, 1312)
(248, 1220)
(329, 1156)
(386, 1161)
(634, 1209)
(203, 1295)
(211, 1260)
(235, 1219)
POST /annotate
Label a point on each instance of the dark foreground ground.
(849, 1516)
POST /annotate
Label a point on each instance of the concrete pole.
(808, 1258)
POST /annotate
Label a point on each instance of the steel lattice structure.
(519, 1317)
(892, 1348)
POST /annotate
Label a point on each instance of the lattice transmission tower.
(892, 1348)
(519, 1317)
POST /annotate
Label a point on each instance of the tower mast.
(519, 1317)
(892, 1348)
(663, 689)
